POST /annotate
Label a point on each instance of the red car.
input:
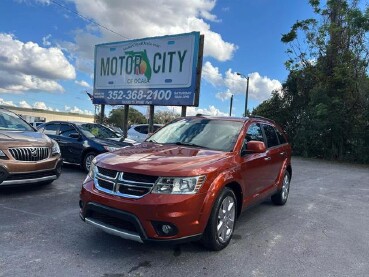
(190, 180)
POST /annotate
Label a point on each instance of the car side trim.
(113, 231)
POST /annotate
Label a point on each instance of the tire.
(87, 160)
(280, 198)
(222, 219)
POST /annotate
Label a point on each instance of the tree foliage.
(116, 117)
(324, 103)
(164, 117)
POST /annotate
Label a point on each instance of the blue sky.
(46, 50)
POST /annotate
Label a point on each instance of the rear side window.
(142, 129)
(281, 137)
(271, 135)
(66, 130)
(51, 129)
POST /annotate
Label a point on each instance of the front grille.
(124, 184)
(107, 172)
(30, 154)
(140, 178)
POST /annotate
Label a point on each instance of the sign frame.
(185, 94)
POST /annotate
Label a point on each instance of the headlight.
(2, 155)
(55, 149)
(111, 148)
(175, 185)
(93, 169)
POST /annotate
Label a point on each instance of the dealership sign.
(150, 71)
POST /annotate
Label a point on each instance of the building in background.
(37, 115)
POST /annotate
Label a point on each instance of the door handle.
(282, 153)
(267, 158)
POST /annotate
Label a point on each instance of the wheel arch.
(237, 190)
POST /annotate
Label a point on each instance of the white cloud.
(42, 106)
(260, 87)
(27, 66)
(224, 95)
(46, 40)
(7, 103)
(77, 110)
(82, 83)
(211, 74)
(211, 110)
(24, 104)
(141, 18)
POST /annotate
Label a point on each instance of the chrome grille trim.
(29, 154)
(119, 182)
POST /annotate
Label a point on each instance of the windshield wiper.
(189, 144)
(152, 140)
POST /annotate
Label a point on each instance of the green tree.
(116, 117)
(164, 117)
(325, 100)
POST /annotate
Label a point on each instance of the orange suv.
(190, 180)
(26, 156)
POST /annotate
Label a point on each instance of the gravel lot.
(321, 231)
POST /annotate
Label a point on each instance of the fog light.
(166, 229)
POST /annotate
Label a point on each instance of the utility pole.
(230, 108)
(247, 91)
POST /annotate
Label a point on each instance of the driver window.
(254, 133)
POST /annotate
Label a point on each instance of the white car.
(140, 132)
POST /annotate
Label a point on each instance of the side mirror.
(255, 147)
(74, 135)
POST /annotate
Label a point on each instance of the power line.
(87, 19)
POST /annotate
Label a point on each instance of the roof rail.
(261, 117)
(200, 114)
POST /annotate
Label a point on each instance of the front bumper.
(30, 175)
(138, 219)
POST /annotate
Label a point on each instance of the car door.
(70, 142)
(275, 154)
(253, 165)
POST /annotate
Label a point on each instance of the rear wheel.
(87, 160)
(219, 231)
(280, 198)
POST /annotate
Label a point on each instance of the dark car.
(189, 180)
(81, 142)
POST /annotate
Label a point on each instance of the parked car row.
(80, 143)
(190, 180)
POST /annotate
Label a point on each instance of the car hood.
(164, 160)
(110, 142)
(23, 138)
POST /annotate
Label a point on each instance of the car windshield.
(214, 134)
(91, 130)
(11, 122)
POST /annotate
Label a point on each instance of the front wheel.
(219, 231)
(280, 198)
(88, 160)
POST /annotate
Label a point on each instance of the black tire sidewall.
(277, 198)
